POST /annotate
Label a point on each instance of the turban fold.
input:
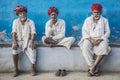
(20, 8)
(52, 9)
(96, 7)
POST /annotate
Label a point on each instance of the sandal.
(16, 73)
(58, 73)
(91, 73)
(63, 72)
(96, 73)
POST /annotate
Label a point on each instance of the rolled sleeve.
(32, 25)
(85, 30)
(14, 27)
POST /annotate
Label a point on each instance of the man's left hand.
(97, 42)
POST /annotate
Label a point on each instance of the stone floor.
(70, 76)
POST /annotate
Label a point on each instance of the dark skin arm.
(32, 45)
(15, 44)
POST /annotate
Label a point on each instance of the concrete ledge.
(42, 45)
(51, 59)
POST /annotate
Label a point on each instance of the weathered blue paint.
(73, 12)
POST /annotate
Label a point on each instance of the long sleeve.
(32, 27)
(85, 30)
(14, 27)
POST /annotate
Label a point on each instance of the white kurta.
(24, 33)
(57, 32)
(100, 30)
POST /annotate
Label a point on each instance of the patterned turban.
(52, 9)
(20, 8)
(96, 7)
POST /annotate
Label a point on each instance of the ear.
(101, 12)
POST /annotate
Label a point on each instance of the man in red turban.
(96, 11)
(23, 34)
(20, 8)
(52, 9)
(55, 34)
(95, 33)
(96, 7)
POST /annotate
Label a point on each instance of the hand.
(15, 45)
(32, 46)
(97, 42)
(92, 41)
(53, 21)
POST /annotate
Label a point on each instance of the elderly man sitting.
(55, 34)
(23, 34)
(95, 33)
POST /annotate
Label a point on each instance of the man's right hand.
(15, 45)
(52, 22)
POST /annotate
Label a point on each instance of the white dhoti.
(29, 52)
(66, 42)
(88, 50)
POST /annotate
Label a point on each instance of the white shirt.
(17, 23)
(57, 31)
(99, 30)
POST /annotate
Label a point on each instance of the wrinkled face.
(96, 14)
(22, 16)
(53, 15)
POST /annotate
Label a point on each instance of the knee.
(45, 40)
(15, 52)
(103, 45)
(72, 39)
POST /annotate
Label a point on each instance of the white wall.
(51, 59)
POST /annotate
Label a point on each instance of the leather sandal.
(16, 73)
(58, 73)
(63, 72)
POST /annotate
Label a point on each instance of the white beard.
(97, 17)
(23, 19)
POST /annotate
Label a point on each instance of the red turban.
(20, 8)
(96, 7)
(52, 9)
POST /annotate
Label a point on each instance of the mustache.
(96, 16)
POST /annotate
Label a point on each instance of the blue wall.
(73, 12)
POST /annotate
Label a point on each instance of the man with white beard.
(23, 34)
(95, 33)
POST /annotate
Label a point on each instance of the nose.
(23, 14)
(53, 15)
